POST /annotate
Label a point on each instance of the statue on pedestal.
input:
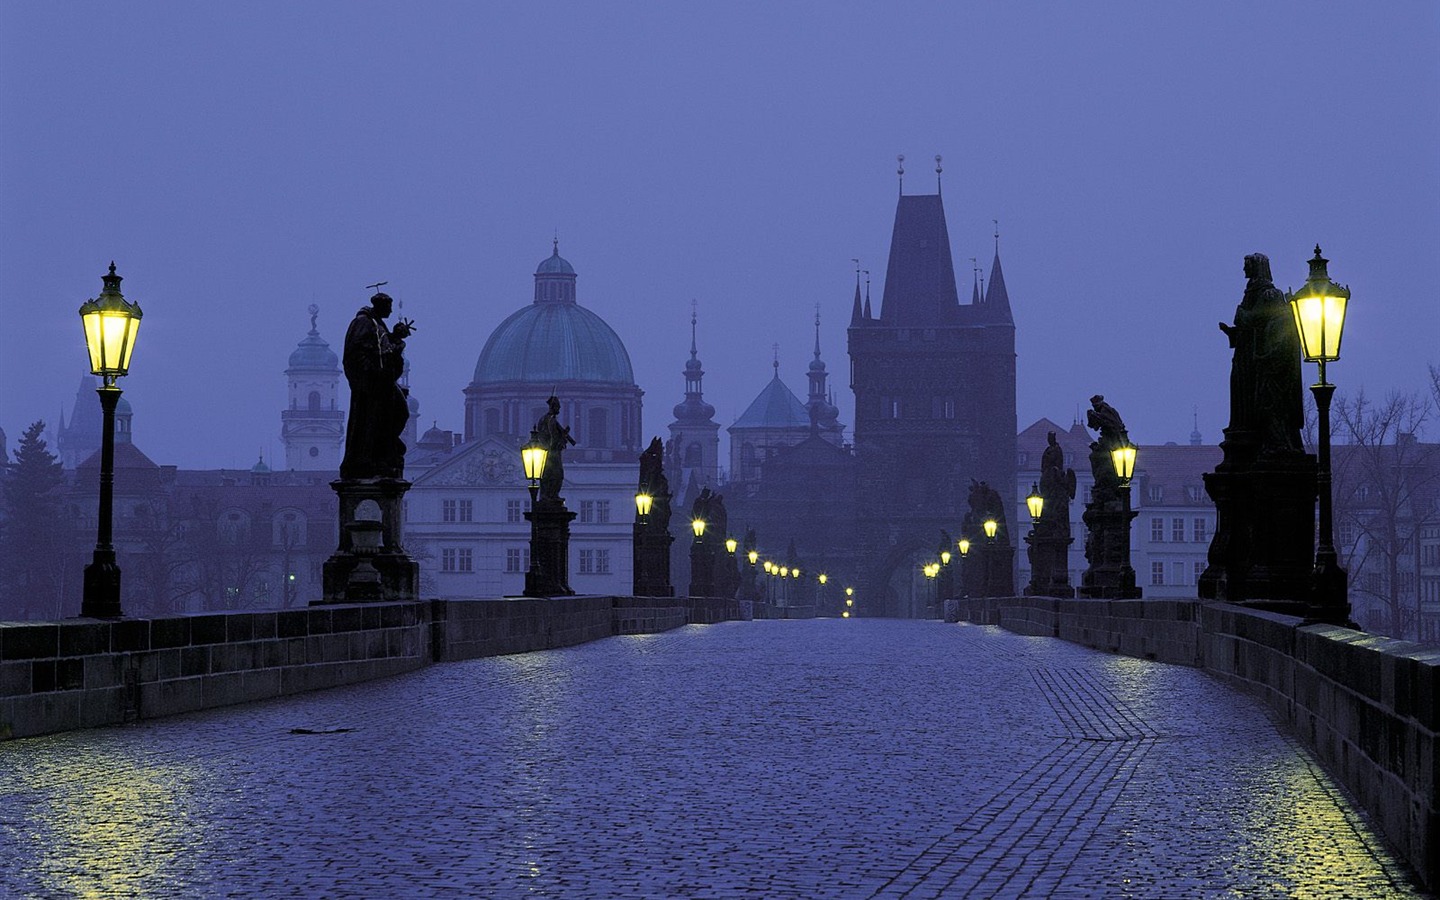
(374, 362)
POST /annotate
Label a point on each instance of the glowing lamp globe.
(533, 455)
(1319, 310)
(643, 502)
(824, 578)
(1123, 457)
(945, 557)
(1035, 503)
(753, 555)
(964, 545)
(731, 544)
(111, 324)
(698, 526)
(991, 527)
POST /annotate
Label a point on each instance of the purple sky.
(242, 161)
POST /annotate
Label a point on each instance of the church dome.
(554, 339)
(313, 352)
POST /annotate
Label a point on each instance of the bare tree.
(1386, 481)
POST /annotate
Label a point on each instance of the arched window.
(314, 401)
(693, 455)
(492, 421)
(288, 529)
(598, 435)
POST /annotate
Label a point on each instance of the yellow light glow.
(1035, 502)
(849, 601)
(533, 455)
(768, 566)
(1124, 459)
(784, 571)
(824, 578)
(643, 502)
(698, 526)
(991, 527)
(731, 544)
(1319, 311)
(945, 557)
(964, 545)
(845, 614)
(794, 573)
(754, 555)
(110, 330)
(849, 592)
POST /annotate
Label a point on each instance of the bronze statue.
(1266, 394)
(1103, 418)
(555, 437)
(374, 362)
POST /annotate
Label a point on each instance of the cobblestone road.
(827, 758)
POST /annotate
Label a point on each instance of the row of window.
(592, 512)
(1199, 530)
(517, 560)
(1176, 570)
(894, 408)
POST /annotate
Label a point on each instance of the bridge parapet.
(1365, 705)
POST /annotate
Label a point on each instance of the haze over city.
(241, 163)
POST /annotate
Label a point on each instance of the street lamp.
(964, 546)
(643, 502)
(1319, 309)
(697, 525)
(1035, 503)
(822, 578)
(753, 555)
(110, 327)
(731, 544)
(1123, 458)
(533, 455)
(991, 527)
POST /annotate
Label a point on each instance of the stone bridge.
(643, 756)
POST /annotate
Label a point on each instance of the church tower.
(312, 428)
(823, 413)
(695, 435)
(934, 384)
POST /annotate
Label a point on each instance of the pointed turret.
(695, 434)
(868, 316)
(997, 301)
(824, 417)
(920, 276)
(857, 312)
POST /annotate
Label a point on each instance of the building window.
(447, 510)
(447, 559)
(1193, 492)
(587, 512)
(894, 409)
(467, 510)
(517, 559)
(1201, 528)
(594, 562)
(949, 409)
(594, 512)
(602, 511)
(466, 559)
(1024, 459)
(1199, 570)
(513, 511)
(1157, 530)
(1347, 534)
(1177, 530)
(314, 400)
(1156, 493)
(1157, 573)
(492, 421)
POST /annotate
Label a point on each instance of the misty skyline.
(241, 164)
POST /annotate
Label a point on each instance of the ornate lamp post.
(533, 455)
(110, 323)
(1319, 309)
(1035, 503)
(1123, 457)
(963, 545)
(549, 573)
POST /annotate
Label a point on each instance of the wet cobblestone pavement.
(827, 758)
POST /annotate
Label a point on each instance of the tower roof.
(920, 275)
(775, 407)
(313, 352)
(997, 301)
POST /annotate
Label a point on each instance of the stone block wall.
(78, 673)
(470, 629)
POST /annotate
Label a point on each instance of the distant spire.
(776, 363)
(996, 296)
(974, 281)
(900, 171)
(817, 331)
(857, 312)
(694, 307)
(938, 170)
(555, 243)
(867, 295)
(997, 236)
(1195, 438)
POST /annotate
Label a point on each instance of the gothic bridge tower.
(934, 384)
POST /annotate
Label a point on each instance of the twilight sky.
(241, 161)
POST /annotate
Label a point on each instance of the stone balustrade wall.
(1366, 706)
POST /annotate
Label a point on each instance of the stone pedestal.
(549, 574)
(1263, 551)
(652, 561)
(702, 570)
(1049, 565)
(371, 563)
(1110, 575)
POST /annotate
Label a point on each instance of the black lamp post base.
(101, 599)
(549, 574)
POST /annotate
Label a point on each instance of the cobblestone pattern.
(827, 758)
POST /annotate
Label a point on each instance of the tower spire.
(694, 306)
(900, 172)
(817, 331)
(856, 311)
(937, 173)
(867, 295)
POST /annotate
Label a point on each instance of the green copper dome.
(554, 339)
